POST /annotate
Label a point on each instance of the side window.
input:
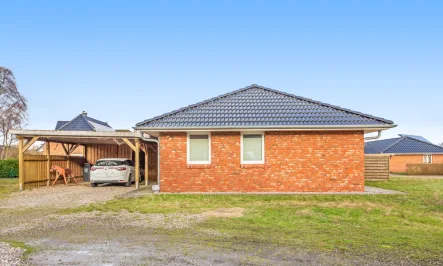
(427, 158)
(252, 148)
(199, 148)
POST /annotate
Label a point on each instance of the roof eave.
(298, 127)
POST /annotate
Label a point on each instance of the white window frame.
(262, 161)
(188, 145)
(425, 158)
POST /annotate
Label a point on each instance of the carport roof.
(81, 137)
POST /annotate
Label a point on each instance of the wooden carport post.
(144, 148)
(20, 164)
(137, 163)
(48, 162)
(136, 150)
(21, 150)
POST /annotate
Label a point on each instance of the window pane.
(252, 147)
(199, 148)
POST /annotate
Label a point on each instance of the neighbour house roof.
(414, 137)
(83, 122)
(257, 106)
(60, 124)
(404, 144)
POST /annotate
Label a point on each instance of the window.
(199, 148)
(427, 158)
(252, 148)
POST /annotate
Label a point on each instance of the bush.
(7, 167)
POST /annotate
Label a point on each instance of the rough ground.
(11, 255)
(107, 238)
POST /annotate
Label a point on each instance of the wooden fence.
(100, 151)
(35, 169)
(376, 166)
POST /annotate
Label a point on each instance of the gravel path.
(120, 220)
(10, 255)
(62, 196)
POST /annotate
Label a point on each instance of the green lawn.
(7, 186)
(376, 225)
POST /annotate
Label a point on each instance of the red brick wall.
(294, 161)
(398, 162)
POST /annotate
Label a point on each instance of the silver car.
(114, 170)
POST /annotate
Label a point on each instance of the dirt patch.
(226, 212)
(62, 196)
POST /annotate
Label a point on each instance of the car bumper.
(108, 181)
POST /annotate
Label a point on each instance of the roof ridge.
(91, 119)
(430, 143)
(326, 104)
(268, 89)
(392, 144)
(74, 119)
(87, 121)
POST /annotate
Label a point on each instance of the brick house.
(406, 149)
(81, 122)
(257, 139)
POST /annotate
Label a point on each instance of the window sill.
(247, 166)
(198, 166)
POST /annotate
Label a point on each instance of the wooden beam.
(130, 144)
(29, 143)
(72, 149)
(137, 163)
(64, 148)
(48, 163)
(21, 175)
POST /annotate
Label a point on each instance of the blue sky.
(126, 61)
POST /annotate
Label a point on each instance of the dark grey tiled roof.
(377, 146)
(82, 123)
(60, 124)
(404, 144)
(259, 106)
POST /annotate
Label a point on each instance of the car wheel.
(94, 184)
(129, 182)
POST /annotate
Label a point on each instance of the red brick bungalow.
(258, 139)
(406, 149)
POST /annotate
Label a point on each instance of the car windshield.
(109, 163)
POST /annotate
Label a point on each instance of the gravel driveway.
(62, 196)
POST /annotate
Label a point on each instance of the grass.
(381, 225)
(7, 186)
(22, 245)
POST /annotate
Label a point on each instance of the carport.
(34, 169)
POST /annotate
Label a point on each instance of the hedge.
(8, 167)
(424, 169)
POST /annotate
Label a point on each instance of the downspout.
(158, 156)
(374, 137)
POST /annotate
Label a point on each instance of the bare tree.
(13, 109)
